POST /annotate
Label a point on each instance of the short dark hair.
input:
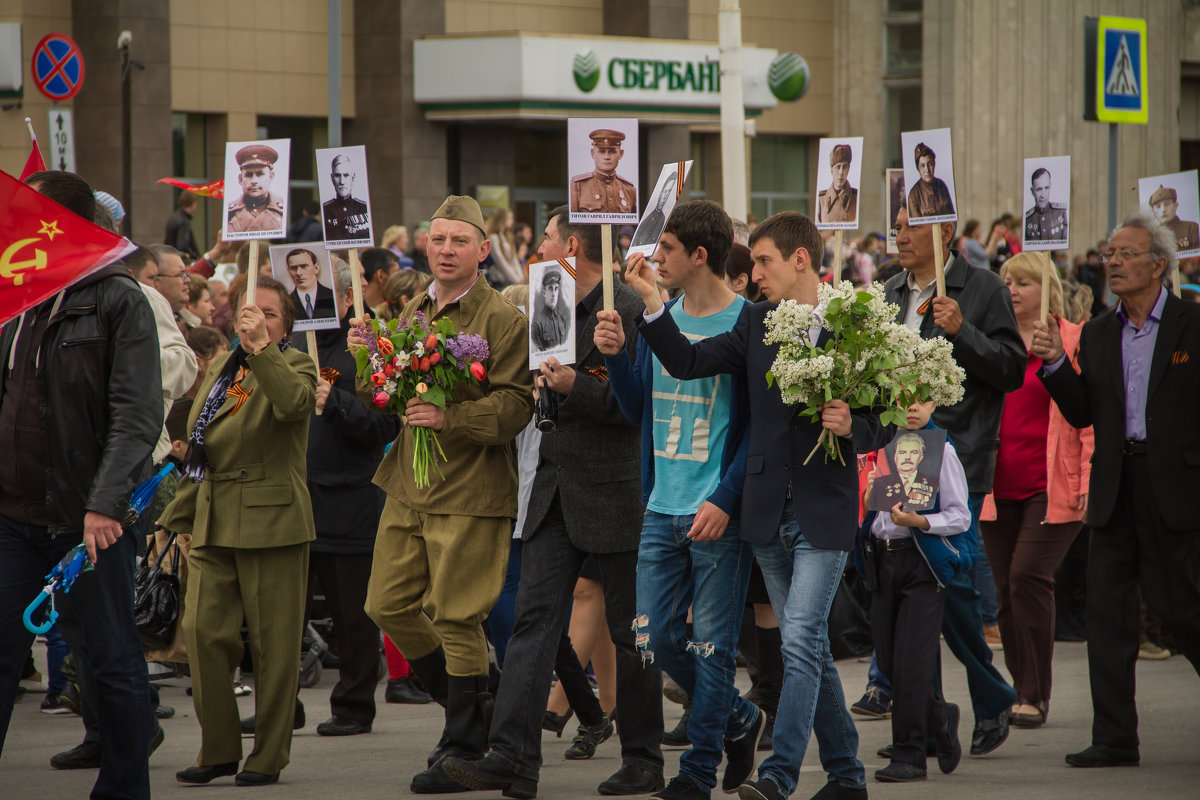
(588, 235)
(186, 199)
(374, 259)
(161, 250)
(206, 341)
(1037, 173)
(139, 260)
(703, 223)
(303, 251)
(740, 263)
(67, 189)
(789, 231)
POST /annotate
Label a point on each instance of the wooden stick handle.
(1047, 274)
(1175, 287)
(356, 282)
(310, 336)
(939, 259)
(252, 273)
(606, 272)
(838, 237)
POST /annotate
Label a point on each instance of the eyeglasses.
(1122, 255)
(163, 276)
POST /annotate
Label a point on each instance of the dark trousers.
(549, 567)
(575, 683)
(962, 627)
(96, 619)
(343, 580)
(1025, 554)
(906, 613)
(1136, 547)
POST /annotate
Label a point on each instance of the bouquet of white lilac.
(869, 361)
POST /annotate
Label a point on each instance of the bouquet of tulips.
(413, 357)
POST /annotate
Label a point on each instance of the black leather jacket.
(101, 389)
(990, 350)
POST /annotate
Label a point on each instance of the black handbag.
(156, 598)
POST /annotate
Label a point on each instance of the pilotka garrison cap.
(462, 208)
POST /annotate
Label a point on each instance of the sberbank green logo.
(586, 70)
(788, 76)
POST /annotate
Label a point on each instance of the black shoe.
(740, 756)
(488, 774)
(408, 691)
(70, 698)
(84, 756)
(949, 750)
(1101, 755)
(677, 737)
(435, 781)
(682, 787)
(885, 752)
(156, 738)
(589, 738)
(297, 722)
(990, 733)
(835, 791)
(555, 722)
(248, 778)
(206, 774)
(342, 726)
(762, 789)
(899, 772)
(631, 780)
(873, 704)
(164, 712)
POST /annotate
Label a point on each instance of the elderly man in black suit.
(1138, 388)
(586, 499)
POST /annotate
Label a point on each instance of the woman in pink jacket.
(1040, 495)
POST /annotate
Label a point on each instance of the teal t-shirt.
(691, 419)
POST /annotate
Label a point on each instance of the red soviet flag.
(34, 163)
(44, 248)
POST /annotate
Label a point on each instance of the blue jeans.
(801, 581)
(980, 574)
(674, 573)
(500, 622)
(56, 651)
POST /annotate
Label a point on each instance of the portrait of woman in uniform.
(929, 176)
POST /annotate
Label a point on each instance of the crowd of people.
(622, 512)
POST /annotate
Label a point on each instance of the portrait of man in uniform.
(307, 272)
(261, 208)
(908, 483)
(1165, 205)
(653, 222)
(1046, 221)
(838, 202)
(929, 197)
(605, 189)
(551, 314)
(345, 215)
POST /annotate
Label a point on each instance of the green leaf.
(436, 396)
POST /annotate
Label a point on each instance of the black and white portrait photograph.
(667, 191)
(1174, 200)
(909, 471)
(839, 170)
(305, 271)
(551, 311)
(1047, 203)
(256, 189)
(893, 194)
(929, 176)
(602, 160)
(345, 200)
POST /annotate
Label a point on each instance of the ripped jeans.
(673, 574)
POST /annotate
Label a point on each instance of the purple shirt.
(1137, 352)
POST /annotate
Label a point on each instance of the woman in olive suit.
(245, 503)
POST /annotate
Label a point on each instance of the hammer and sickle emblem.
(13, 269)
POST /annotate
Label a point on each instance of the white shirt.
(955, 515)
(176, 360)
(917, 296)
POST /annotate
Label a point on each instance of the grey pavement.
(379, 765)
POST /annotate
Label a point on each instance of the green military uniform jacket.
(482, 421)
(1187, 234)
(254, 493)
(837, 206)
(930, 199)
(1046, 225)
(593, 192)
(264, 218)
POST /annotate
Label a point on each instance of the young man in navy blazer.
(801, 518)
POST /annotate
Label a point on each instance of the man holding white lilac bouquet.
(801, 516)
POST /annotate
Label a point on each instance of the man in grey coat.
(586, 500)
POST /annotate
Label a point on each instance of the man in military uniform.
(1165, 203)
(1046, 221)
(930, 197)
(551, 322)
(602, 190)
(838, 203)
(345, 216)
(651, 226)
(907, 485)
(257, 209)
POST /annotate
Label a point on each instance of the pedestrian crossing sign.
(1116, 74)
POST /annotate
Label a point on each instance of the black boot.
(431, 669)
(468, 718)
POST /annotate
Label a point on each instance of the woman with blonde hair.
(402, 286)
(506, 269)
(1040, 496)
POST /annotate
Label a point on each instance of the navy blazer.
(825, 493)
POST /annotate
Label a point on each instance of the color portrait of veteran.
(602, 190)
(838, 203)
(345, 215)
(258, 209)
(907, 484)
(930, 197)
(1165, 204)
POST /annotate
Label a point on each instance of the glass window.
(904, 6)
(779, 175)
(903, 50)
(307, 134)
(903, 114)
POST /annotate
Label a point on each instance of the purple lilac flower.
(467, 347)
(370, 337)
